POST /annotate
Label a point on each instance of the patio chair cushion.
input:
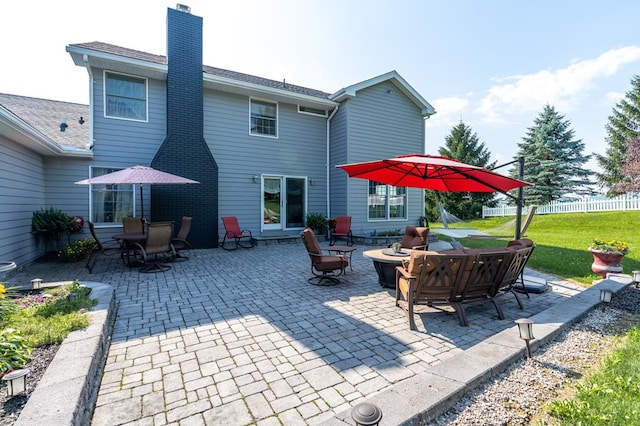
(415, 237)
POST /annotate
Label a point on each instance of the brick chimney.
(184, 151)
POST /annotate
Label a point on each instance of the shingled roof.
(233, 75)
(45, 116)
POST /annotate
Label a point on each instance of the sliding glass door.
(283, 202)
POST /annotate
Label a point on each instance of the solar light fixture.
(366, 414)
(36, 283)
(16, 382)
(525, 326)
(636, 277)
(605, 297)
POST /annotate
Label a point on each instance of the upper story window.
(264, 118)
(125, 97)
(312, 111)
(387, 202)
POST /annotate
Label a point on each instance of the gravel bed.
(518, 395)
(10, 407)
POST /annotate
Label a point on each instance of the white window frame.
(264, 101)
(387, 205)
(92, 190)
(312, 111)
(143, 80)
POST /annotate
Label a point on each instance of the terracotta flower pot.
(606, 262)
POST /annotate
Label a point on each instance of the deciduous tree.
(630, 168)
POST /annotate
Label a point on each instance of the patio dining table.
(127, 241)
(130, 237)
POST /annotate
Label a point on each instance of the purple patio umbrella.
(138, 175)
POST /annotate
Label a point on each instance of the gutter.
(335, 110)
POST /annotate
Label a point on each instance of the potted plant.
(317, 222)
(50, 224)
(607, 256)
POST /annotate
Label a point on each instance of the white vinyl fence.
(584, 205)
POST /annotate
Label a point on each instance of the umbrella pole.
(141, 209)
(520, 200)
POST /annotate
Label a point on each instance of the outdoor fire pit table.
(385, 261)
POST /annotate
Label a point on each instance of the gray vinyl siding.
(124, 143)
(298, 151)
(338, 155)
(22, 191)
(381, 122)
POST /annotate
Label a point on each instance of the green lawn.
(562, 240)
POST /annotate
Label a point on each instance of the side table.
(343, 250)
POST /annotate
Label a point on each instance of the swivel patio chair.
(107, 249)
(323, 267)
(415, 238)
(180, 241)
(342, 231)
(157, 249)
(238, 237)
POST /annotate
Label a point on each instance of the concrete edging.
(67, 391)
(421, 399)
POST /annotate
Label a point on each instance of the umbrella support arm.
(520, 198)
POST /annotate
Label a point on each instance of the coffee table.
(343, 250)
(385, 262)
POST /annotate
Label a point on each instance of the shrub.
(317, 222)
(14, 352)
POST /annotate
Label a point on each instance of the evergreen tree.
(461, 144)
(553, 160)
(623, 125)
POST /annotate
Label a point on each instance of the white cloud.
(448, 111)
(614, 97)
(562, 88)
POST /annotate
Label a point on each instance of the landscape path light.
(605, 297)
(366, 414)
(36, 283)
(636, 278)
(16, 381)
(525, 327)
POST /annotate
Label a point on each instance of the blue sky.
(493, 64)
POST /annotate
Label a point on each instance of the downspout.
(85, 59)
(328, 161)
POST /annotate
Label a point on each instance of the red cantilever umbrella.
(432, 172)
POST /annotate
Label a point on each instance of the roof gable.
(397, 80)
